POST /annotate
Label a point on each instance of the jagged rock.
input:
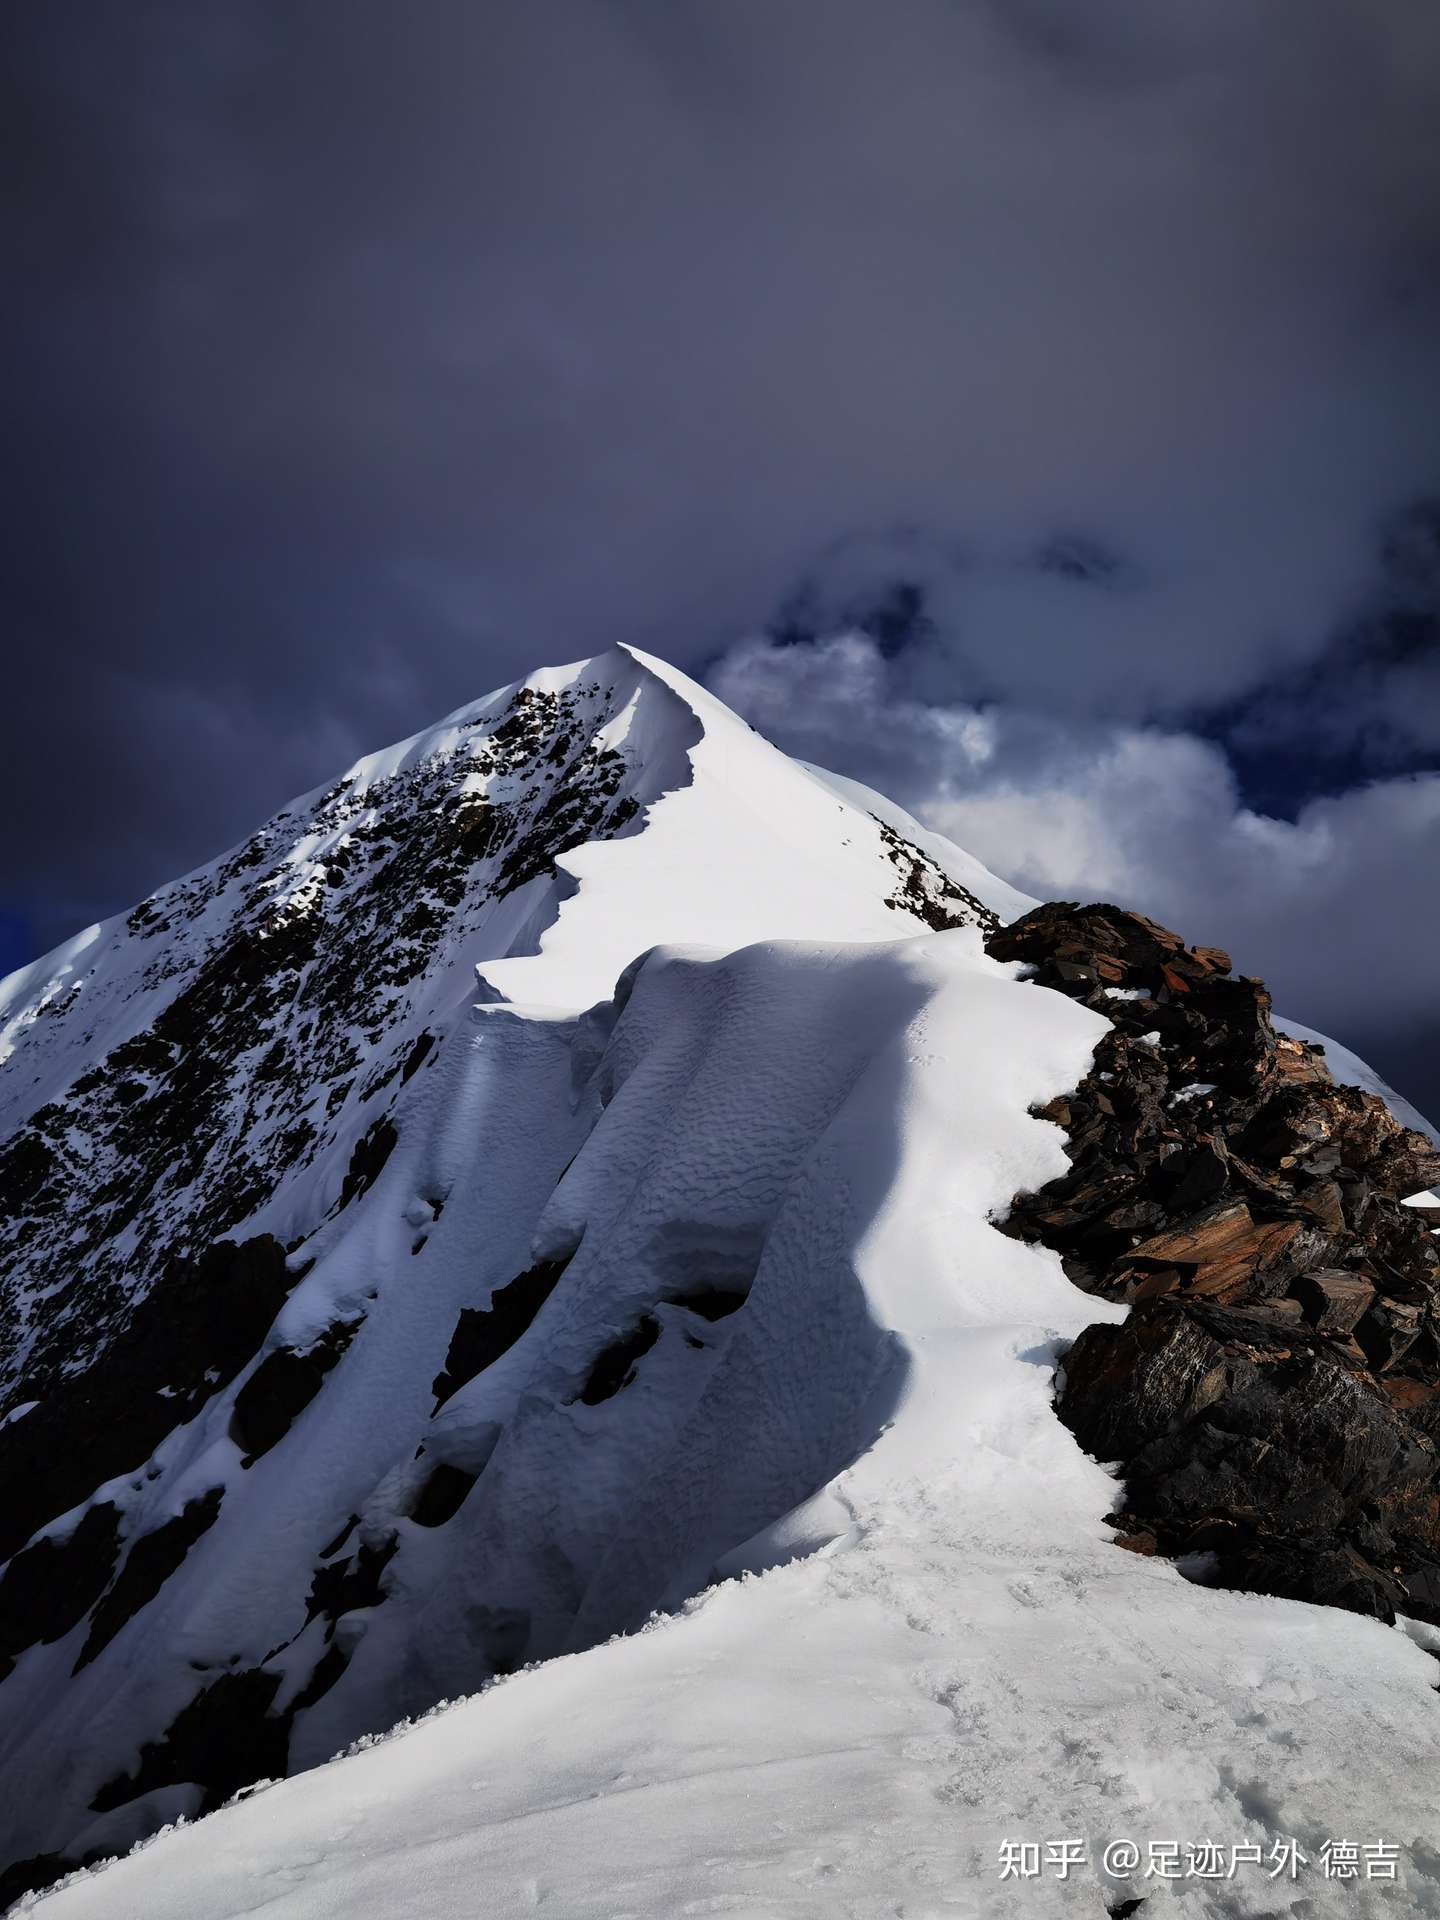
(1406, 1164)
(1203, 1175)
(614, 1367)
(226, 1737)
(482, 1334)
(1221, 1253)
(1126, 1385)
(148, 1565)
(927, 891)
(282, 1386)
(1333, 1299)
(52, 1585)
(190, 1336)
(1249, 1209)
(1386, 1331)
(275, 975)
(371, 1151)
(344, 1586)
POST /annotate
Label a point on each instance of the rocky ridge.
(1273, 1398)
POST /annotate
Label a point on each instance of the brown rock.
(1213, 959)
(1221, 1251)
(1252, 1399)
(1145, 1543)
(1298, 1062)
(1406, 1164)
(1332, 1299)
(1404, 1392)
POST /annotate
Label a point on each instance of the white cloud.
(1337, 910)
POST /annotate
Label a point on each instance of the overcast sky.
(362, 355)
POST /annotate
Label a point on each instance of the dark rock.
(442, 1495)
(52, 1585)
(1407, 1164)
(367, 1160)
(482, 1334)
(345, 1586)
(1203, 1177)
(188, 1338)
(1127, 1385)
(1318, 1570)
(417, 1056)
(1386, 1332)
(1422, 1593)
(148, 1565)
(328, 1669)
(1333, 1299)
(282, 1386)
(615, 1366)
(927, 891)
(711, 1303)
(344, 1534)
(224, 1739)
(1254, 1398)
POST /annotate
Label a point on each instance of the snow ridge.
(932, 1650)
(270, 1145)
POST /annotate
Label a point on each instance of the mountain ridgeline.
(442, 1233)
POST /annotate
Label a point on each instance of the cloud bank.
(370, 355)
(1338, 908)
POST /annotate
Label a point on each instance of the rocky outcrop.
(282, 1386)
(50, 1587)
(1273, 1398)
(282, 986)
(202, 1321)
(148, 1565)
(482, 1334)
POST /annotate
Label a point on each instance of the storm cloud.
(368, 355)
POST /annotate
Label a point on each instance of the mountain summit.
(543, 1188)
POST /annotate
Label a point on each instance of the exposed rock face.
(927, 891)
(482, 1334)
(200, 1323)
(1274, 1397)
(276, 990)
(282, 1386)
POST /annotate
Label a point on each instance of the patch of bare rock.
(1273, 1398)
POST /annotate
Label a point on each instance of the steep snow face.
(369, 1332)
(786, 1160)
(273, 1181)
(205, 1066)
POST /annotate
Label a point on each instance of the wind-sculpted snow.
(787, 1159)
(373, 1330)
(266, 1153)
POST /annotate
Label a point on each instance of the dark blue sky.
(369, 355)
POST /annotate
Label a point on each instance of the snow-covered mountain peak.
(550, 1171)
(165, 1073)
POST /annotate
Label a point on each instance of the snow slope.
(291, 1043)
(957, 1656)
(583, 1296)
